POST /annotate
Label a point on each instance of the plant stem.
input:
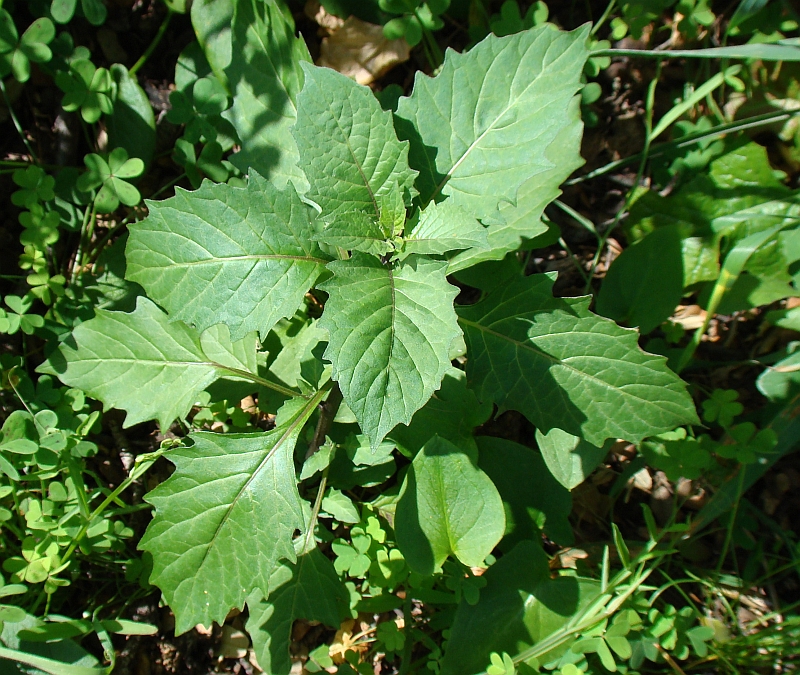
(729, 531)
(142, 465)
(14, 119)
(603, 17)
(326, 417)
(152, 46)
(260, 380)
(689, 139)
(312, 522)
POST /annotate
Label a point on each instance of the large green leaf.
(522, 221)
(265, 78)
(146, 365)
(447, 506)
(564, 367)
(519, 607)
(494, 118)
(645, 284)
(533, 499)
(225, 518)
(221, 254)
(309, 589)
(391, 327)
(348, 146)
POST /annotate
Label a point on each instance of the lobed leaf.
(564, 367)
(348, 146)
(489, 121)
(445, 227)
(146, 365)
(239, 256)
(225, 518)
(391, 327)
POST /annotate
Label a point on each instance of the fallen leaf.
(361, 51)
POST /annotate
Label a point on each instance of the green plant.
(341, 311)
(391, 204)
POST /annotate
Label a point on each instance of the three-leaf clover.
(391, 636)
(722, 407)
(41, 228)
(86, 88)
(45, 287)
(199, 109)
(18, 319)
(17, 53)
(94, 11)
(416, 18)
(510, 19)
(36, 186)
(209, 163)
(111, 177)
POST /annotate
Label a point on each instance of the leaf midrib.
(298, 420)
(214, 260)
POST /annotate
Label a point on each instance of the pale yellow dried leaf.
(361, 51)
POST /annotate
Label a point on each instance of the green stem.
(326, 417)
(14, 119)
(603, 17)
(260, 380)
(689, 139)
(152, 46)
(142, 465)
(432, 50)
(88, 217)
(729, 532)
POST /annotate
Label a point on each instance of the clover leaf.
(17, 318)
(199, 109)
(41, 228)
(510, 19)
(94, 11)
(32, 259)
(209, 163)
(86, 88)
(417, 17)
(110, 176)
(45, 287)
(36, 186)
(391, 636)
(722, 407)
(17, 53)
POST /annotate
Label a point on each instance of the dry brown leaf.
(691, 317)
(360, 50)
